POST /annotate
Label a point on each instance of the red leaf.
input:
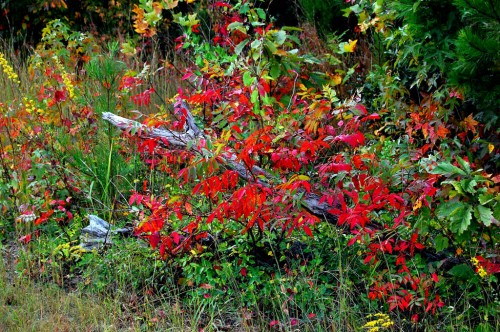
(243, 271)
(353, 140)
(211, 217)
(307, 230)
(25, 239)
(435, 277)
(361, 108)
(186, 76)
(60, 95)
(176, 237)
(154, 239)
(368, 259)
(373, 116)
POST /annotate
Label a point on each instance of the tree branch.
(180, 140)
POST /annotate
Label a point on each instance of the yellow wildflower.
(382, 321)
(8, 70)
(479, 269)
(30, 106)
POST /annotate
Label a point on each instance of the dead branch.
(181, 140)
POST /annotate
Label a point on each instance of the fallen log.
(191, 133)
(310, 201)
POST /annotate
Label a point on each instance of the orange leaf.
(189, 208)
(470, 123)
(442, 131)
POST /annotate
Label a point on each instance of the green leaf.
(447, 169)
(446, 209)
(484, 327)
(239, 48)
(456, 185)
(484, 214)
(209, 144)
(468, 185)
(462, 271)
(275, 70)
(255, 96)
(261, 13)
(280, 37)
(441, 242)
(465, 165)
(247, 79)
(270, 46)
(461, 218)
(236, 25)
(486, 198)
(256, 44)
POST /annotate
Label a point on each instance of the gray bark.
(181, 140)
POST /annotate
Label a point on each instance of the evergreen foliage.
(477, 65)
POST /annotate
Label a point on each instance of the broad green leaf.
(456, 185)
(275, 70)
(261, 13)
(255, 96)
(441, 242)
(447, 208)
(484, 214)
(247, 78)
(239, 48)
(468, 185)
(465, 165)
(486, 198)
(462, 271)
(270, 46)
(461, 218)
(256, 44)
(447, 169)
(280, 37)
(236, 25)
(496, 211)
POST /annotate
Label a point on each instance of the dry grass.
(25, 306)
(29, 306)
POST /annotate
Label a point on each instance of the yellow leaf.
(351, 46)
(417, 205)
(336, 79)
(226, 134)
(296, 177)
(491, 147)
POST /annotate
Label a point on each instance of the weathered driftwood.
(98, 233)
(181, 140)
